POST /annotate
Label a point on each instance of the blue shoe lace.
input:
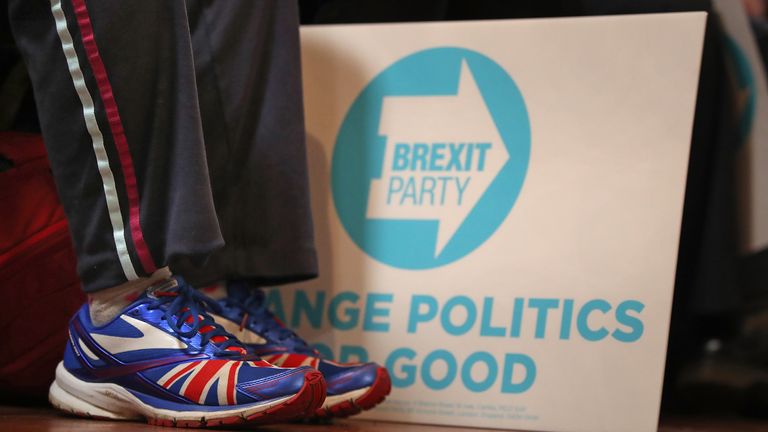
(186, 305)
(256, 316)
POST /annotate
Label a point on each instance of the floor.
(40, 419)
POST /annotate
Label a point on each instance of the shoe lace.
(186, 305)
(257, 317)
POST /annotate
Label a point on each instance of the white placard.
(497, 208)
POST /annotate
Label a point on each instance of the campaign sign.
(751, 93)
(497, 209)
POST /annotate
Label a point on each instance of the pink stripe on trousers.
(118, 133)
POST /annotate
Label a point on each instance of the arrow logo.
(442, 153)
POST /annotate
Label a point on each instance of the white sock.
(106, 304)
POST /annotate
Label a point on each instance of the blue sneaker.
(165, 360)
(351, 387)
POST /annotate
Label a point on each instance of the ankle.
(106, 304)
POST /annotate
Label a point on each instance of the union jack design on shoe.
(351, 387)
(164, 359)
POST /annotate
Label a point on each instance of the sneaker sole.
(356, 401)
(108, 401)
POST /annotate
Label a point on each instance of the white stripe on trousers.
(102, 161)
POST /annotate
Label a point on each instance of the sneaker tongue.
(215, 291)
(240, 291)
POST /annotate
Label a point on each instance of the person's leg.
(249, 82)
(251, 103)
(115, 88)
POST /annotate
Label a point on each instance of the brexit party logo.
(431, 158)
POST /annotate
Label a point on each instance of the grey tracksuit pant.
(175, 134)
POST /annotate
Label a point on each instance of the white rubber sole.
(111, 401)
(352, 396)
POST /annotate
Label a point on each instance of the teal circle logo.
(431, 158)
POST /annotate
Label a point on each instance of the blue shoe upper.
(170, 353)
(245, 307)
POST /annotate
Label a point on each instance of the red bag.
(39, 286)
